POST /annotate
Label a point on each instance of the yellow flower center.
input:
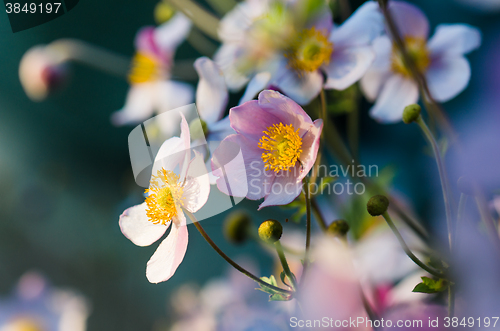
(23, 324)
(282, 147)
(164, 198)
(418, 52)
(310, 50)
(144, 68)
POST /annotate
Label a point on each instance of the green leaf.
(430, 285)
(273, 294)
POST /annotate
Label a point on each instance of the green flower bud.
(338, 228)
(411, 113)
(163, 12)
(465, 186)
(198, 129)
(270, 231)
(377, 205)
(237, 226)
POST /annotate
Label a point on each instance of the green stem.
(353, 132)
(407, 249)
(317, 215)
(442, 177)
(284, 263)
(308, 228)
(201, 18)
(451, 301)
(228, 259)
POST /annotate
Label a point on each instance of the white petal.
(220, 130)
(197, 187)
(172, 33)
(170, 95)
(135, 225)
(170, 253)
(364, 25)
(211, 93)
(454, 39)
(139, 105)
(380, 70)
(300, 88)
(233, 25)
(347, 66)
(409, 19)
(256, 84)
(447, 77)
(226, 58)
(397, 93)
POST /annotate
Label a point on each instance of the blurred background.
(65, 173)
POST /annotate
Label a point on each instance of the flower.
(440, 59)
(151, 87)
(178, 182)
(279, 143)
(289, 45)
(36, 306)
(41, 71)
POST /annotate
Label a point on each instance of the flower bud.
(465, 186)
(236, 227)
(163, 12)
(377, 205)
(411, 113)
(270, 231)
(41, 71)
(198, 128)
(338, 228)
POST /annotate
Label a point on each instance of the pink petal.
(409, 19)
(135, 225)
(197, 186)
(251, 120)
(285, 188)
(285, 109)
(170, 253)
(310, 145)
(448, 76)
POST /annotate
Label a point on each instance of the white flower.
(151, 88)
(178, 182)
(440, 59)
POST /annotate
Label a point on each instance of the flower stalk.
(284, 263)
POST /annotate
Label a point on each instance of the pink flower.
(279, 143)
(178, 182)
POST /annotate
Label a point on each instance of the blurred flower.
(440, 59)
(279, 143)
(151, 89)
(288, 45)
(41, 71)
(417, 316)
(35, 306)
(168, 194)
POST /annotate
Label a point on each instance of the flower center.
(144, 68)
(418, 52)
(282, 147)
(23, 324)
(164, 198)
(310, 50)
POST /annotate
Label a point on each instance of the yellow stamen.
(145, 68)
(310, 50)
(23, 324)
(164, 197)
(418, 52)
(282, 147)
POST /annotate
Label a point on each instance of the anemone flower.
(440, 59)
(279, 144)
(289, 45)
(151, 88)
(178, 182)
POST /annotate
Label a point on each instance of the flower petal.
(197, 186)
(170, 253)
(135, 225)
(310, 145)
(285, 188)
(256, 84)
(380, 70)
(220, 130)
(409, 19)
(397, 93)
(211, 93)
(301, 88)
(285, 109)
(138, 105)
(364, 25)
(234, 24)
(226, 58)
(172, 33)
(171, 95)
(347, 66)
(251, 120)
(454, 39)
(447, 77)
